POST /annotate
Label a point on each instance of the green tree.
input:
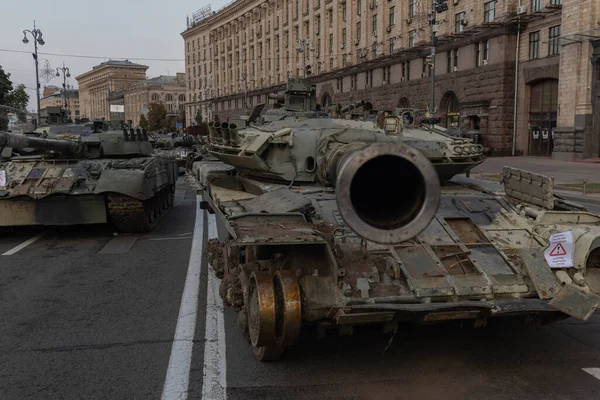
(198, 117)
(5, 89)
(143, 121)
(156, 116)
(18, 99)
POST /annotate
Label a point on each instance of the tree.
(19, 99)
(156, 116)
(198, 117)
(5, 89)
(143, 121)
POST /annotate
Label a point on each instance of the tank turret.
(129, 143)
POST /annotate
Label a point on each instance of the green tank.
(333, 223)
(94, 179)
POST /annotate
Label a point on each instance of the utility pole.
(66, 74)
(36, 34)
(437, 6)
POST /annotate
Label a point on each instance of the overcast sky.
(107, 28)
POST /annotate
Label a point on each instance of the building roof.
(59, 93)
(125, 63)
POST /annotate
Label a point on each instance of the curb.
(580, 199)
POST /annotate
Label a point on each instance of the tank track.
(131, 215)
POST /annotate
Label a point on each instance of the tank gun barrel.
(18, 141)
(278, 96)
(377, 208)
(352, 106)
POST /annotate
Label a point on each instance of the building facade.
(168, 90)
(56, 100)
(494, 60)
(95, 85)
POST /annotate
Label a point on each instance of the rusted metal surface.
(261, 310)
(289, 321)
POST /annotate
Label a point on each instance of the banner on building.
(117, 108)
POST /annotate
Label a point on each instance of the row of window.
(553, 42)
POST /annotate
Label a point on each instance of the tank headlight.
(458, 149)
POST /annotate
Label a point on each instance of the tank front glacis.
(335, 223)
(99, 178)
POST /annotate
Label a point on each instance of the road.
(85, 314)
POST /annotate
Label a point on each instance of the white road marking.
(214, 382)
(23, 245)
(595, 372)
(178, 373)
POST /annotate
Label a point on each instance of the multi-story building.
(56, 101)
(95, 85)
(489, 54)
(169, 90)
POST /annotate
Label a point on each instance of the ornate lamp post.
(36, 34)
(66, 74)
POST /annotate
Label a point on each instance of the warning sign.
(560, 252)
(2, 178)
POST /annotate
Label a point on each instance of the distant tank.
(335, 224)
(91, 179)
(181, 148)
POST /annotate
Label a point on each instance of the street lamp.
(244, 78)
(36, 34)
(66, 74)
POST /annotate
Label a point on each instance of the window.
(556, 2)
(330, 12)
(343, 11)
(534, 45)
(455, 59)
(553, 41)
(448, 62)
(392, 45)
(458, 25)
(392, 15)
(412, 8)
(489, 11)
(344, 36)
(358, 7)
(536, 5)
(318, 27)
(375, 24)
(330, 43)
(411, 38)
(358, 31)
(331, 63)
(481, 53)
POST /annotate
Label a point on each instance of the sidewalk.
(568, 176)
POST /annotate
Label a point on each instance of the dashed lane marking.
(595, 372)
(26, 243)
(214, 382)
(178, 372)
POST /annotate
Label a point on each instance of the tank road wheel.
(261, 317)
(288, 308)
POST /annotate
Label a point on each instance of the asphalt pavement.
(85, 314)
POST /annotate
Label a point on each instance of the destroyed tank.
(95, 179)
(181, 148)
(340, 226)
